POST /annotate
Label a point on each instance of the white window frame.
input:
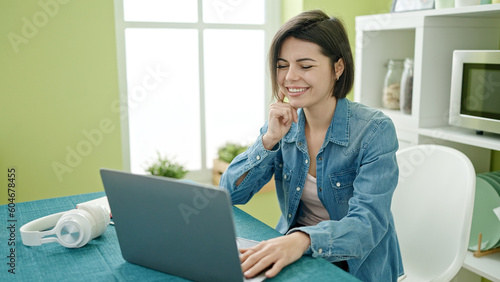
(272, 23)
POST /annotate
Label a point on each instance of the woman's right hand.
(281, 116)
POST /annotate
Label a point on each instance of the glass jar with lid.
(392, 84)
(406, 92)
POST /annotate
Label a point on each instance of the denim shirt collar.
(337, 133)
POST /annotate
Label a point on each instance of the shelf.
(465, 136)
(487, 266)
(413, 19)
(429, 37)
(484, 11)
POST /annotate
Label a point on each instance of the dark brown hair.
(329, 34)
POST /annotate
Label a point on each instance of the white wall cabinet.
(429, 37)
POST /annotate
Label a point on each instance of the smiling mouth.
(296, 90)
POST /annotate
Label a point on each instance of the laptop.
(178, 227)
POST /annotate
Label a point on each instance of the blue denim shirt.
(356, 176)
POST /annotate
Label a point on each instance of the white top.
(313, 211)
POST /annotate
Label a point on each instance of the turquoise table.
(101, 259)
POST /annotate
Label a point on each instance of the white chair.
(432, 208)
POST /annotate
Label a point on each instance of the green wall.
(58, 79)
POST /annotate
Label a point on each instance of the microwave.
(475, 90)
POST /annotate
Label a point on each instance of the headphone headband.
(31, 234)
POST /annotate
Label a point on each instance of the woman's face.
(304, 74)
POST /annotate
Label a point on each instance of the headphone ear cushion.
(99, 218)
(74, 228)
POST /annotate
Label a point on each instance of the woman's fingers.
(282, 112)
(245, 253)
(266, 258)
(281, 96)
(255, 261)
(277, 267)
(281, 117)
(275, 253)
(266, 262)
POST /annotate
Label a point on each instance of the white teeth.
(295, 90)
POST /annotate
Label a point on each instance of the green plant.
(229, 151)
(166, 167)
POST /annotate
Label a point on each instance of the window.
(192, 77)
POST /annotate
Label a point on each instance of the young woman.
(333, 160)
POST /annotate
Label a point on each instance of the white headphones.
(72, 229)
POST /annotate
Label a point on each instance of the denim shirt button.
(338, 184)
(307, 161)
(320, 158)
(284, 176)
(258, 157)
(289, 215)
(280, 165)
(300, 143)
(320, 250)
(320, 189)
(298, 188)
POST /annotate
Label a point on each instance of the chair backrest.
(432, 207)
